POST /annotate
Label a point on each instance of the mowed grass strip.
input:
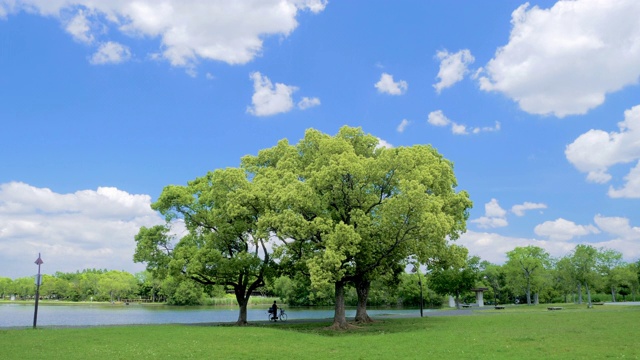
(608, 332)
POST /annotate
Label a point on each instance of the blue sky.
(102, 104)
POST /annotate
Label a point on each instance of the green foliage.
(527, 269)
(350, 211)
(6, 287)
(297, 291)
(222, 246)
(180, 292)
(455, 274)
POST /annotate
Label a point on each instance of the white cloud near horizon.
(110, 53)
(453, 67)
(563, 230)
(595, 151)
(493, 247)
(85, 229)
(555, 58)
(386, 85)
(384, 144)
(189, 30)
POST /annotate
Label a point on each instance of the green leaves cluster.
(348, 211)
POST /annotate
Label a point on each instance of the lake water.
(21, 315)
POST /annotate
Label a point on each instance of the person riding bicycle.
(274, 310)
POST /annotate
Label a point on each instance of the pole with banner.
(38, 281)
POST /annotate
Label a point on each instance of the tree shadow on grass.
(386, 326)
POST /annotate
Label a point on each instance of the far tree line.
(587, 273)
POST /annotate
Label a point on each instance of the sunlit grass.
(514, 333)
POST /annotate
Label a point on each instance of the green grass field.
(605, 332)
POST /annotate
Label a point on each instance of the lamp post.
(35, 314)
(416, 269)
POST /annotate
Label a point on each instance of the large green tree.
(609, 261)
(565, 277)
(221, 245)
(348, 210)
(526, 267)
(585, 264)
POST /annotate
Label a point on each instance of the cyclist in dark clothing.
(274, 310)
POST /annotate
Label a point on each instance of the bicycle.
(281, 315)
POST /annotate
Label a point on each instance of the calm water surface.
(17, 315)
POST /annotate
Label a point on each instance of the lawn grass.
(605, 332)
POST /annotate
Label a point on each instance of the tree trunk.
(242, 304)
(458, 300)
(536, 298)
(339, 317)
(362, 288)
(579, 293)
(613, 294)
(528, 293)
(589, 305)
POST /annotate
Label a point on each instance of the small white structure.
(452, 302)
(479, 296)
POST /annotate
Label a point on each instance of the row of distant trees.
(530, 275)
(105, 285)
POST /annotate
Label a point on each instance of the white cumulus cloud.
(384, 144)
(110, 53)
(494, 216)
(80, 28)
(222, 30)
(521, 208)
(403, 125)
(269, 99)
(595, 151)
(453, 67)
(75, 231)
(494, 247)
(556, 59)
(563, 230)
(438, 118)
(386, 85)
(307, 102)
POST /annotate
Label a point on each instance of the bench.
(466, 306)
(499, 307)
(554, 308)
(597, 303)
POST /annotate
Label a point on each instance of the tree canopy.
(221, 244)
(346, 209)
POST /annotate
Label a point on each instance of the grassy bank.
(516, 332)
